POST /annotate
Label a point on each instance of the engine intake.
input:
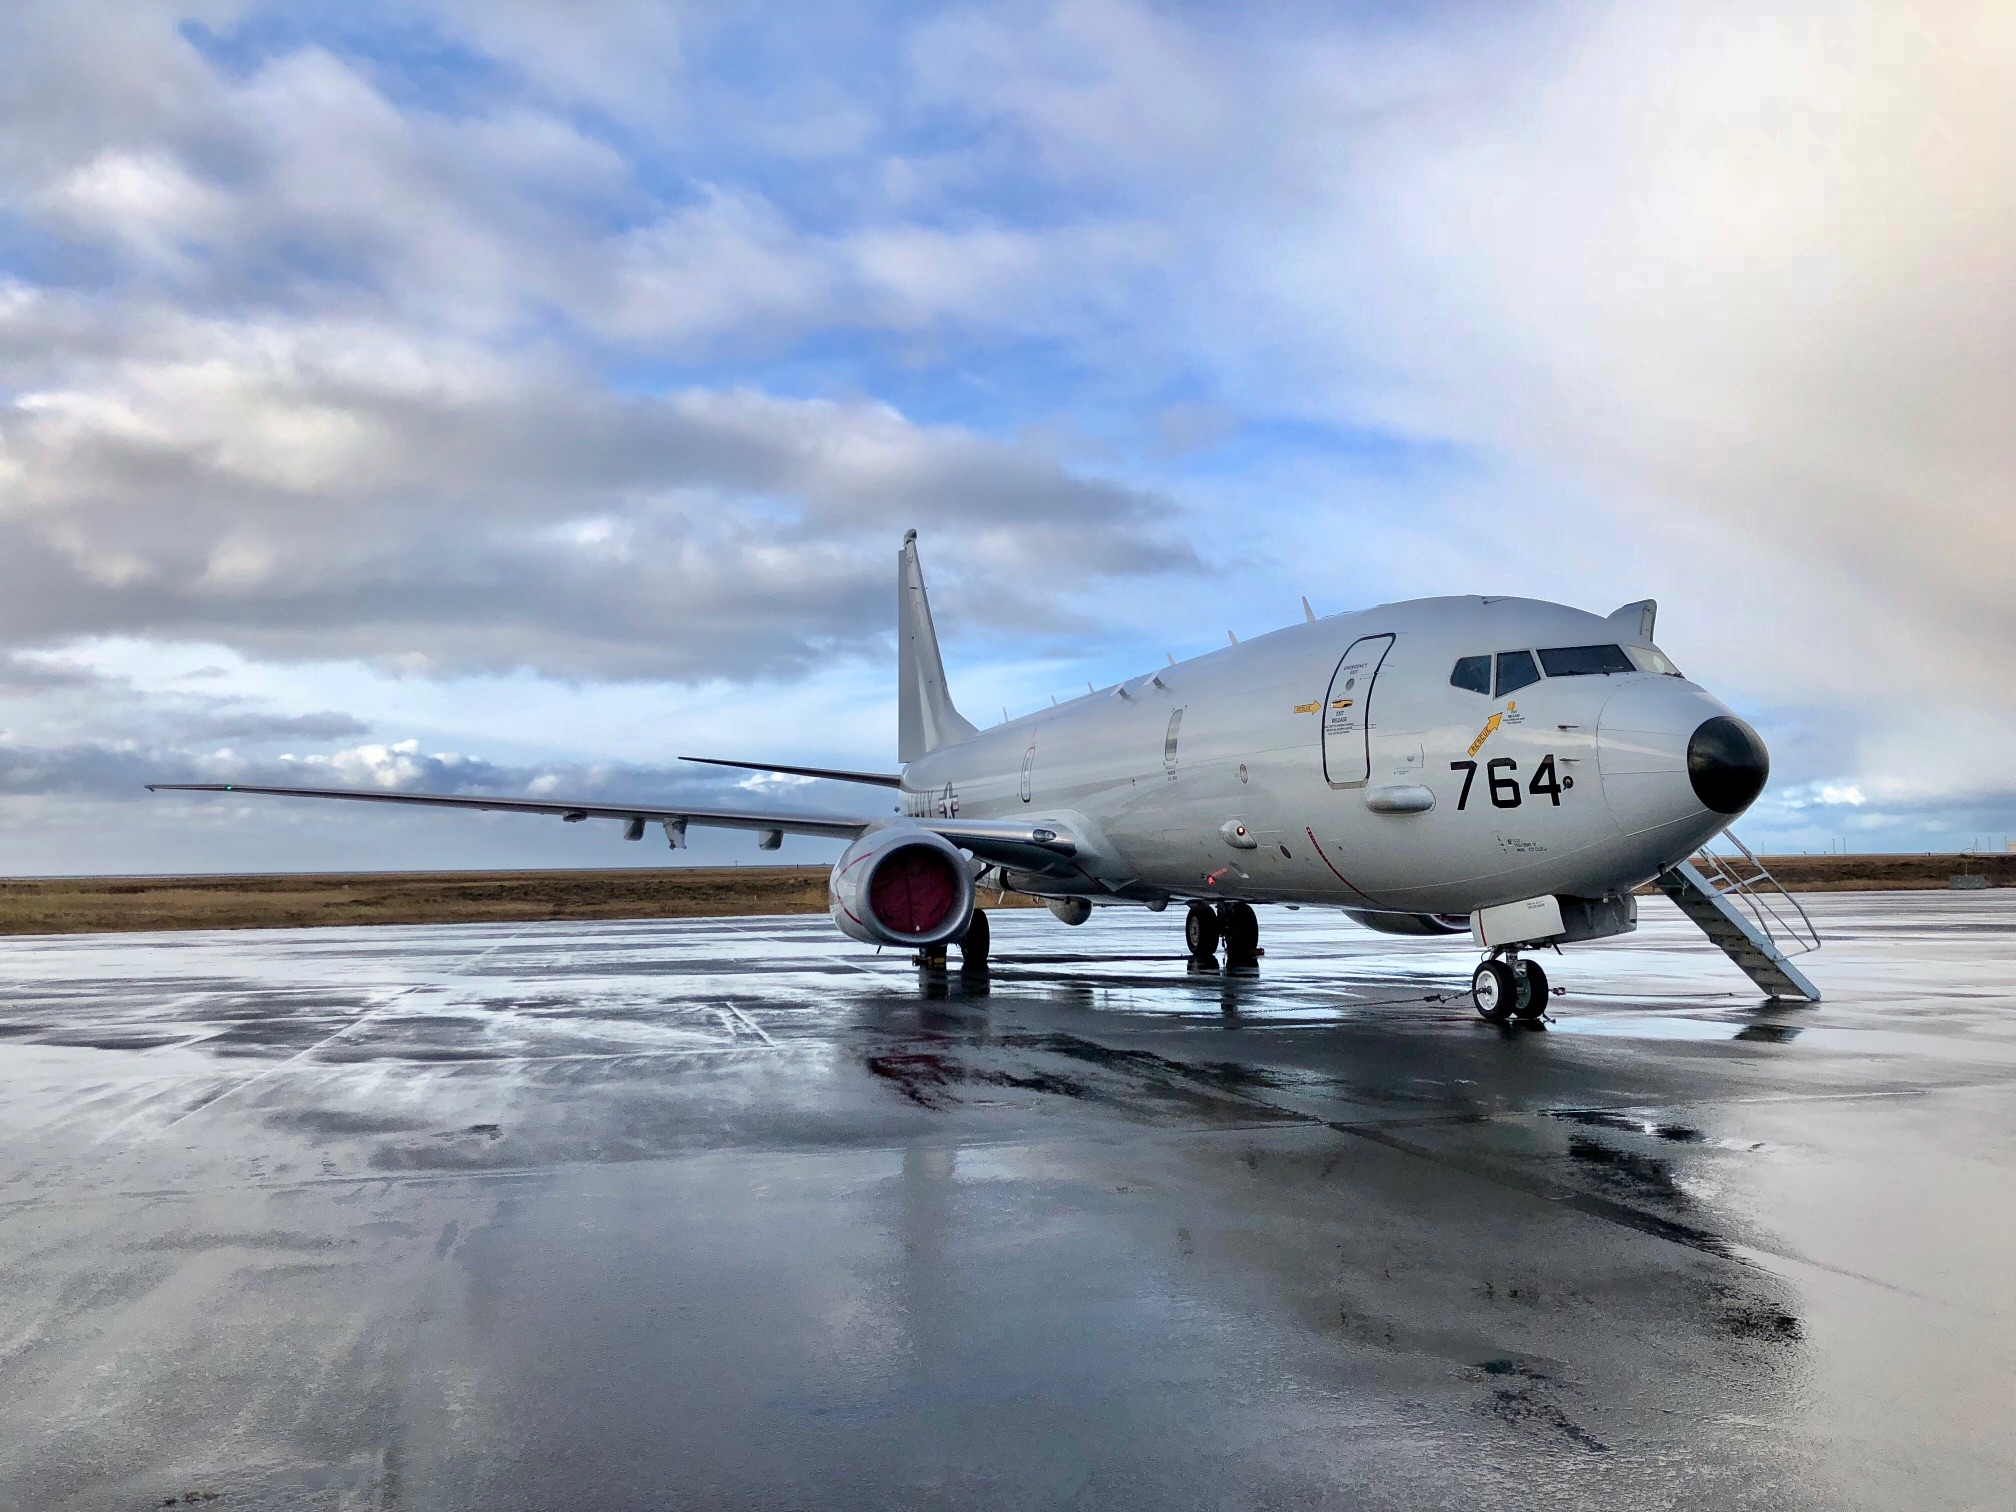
(902, 886)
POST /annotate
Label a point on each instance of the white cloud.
(625, 60)
(730, 263)
(146, 200)
(1821, 794)
(314, 490)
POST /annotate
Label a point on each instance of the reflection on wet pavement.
(730, 1212)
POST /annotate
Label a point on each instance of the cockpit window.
(1515, 670)
(1652, 659)
(1472, 674)
(1584, 661)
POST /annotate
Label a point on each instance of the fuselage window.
(1515, 670)
(1584, 661)
(1472, 675)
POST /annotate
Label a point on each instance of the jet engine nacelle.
(1410, 923)
(902, 886)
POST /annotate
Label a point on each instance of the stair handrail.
(1722, 873)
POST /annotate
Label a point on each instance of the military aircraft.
(1502, 766)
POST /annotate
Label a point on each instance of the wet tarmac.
(736, 1214)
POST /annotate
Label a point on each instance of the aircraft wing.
(1027, 847)
(835, 828)
(879, 779)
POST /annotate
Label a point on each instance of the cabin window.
(1169, 740)
(1515, 670)
(1584, 661)
(1472, 675)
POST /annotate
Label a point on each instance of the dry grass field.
(1887, 873)
(86, 905)
(82, 905)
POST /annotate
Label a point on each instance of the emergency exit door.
(1347, 712)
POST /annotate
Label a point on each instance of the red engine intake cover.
(913, 890)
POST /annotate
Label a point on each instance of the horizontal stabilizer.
(878, 779)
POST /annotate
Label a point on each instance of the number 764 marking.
(1504, 786)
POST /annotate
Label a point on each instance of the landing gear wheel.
(1494, 990)
(973, 944)
(1532, 991)
(1242, 934)
(1200, 931)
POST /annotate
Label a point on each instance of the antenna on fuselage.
(1172, 657)
(1231, 639)
(1308, 614)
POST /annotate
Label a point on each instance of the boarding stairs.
(1742, 908)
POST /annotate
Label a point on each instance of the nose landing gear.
(1505, 987)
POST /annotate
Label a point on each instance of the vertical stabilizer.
(925, 718)
(1637, 619)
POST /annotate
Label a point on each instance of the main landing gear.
(1234, 923)
(973, 948)
(1506, 988)
(974, 944)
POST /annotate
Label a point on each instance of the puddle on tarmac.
(1647, 1026)
(1607, 1118)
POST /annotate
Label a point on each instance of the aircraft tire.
(1494, 990)
(1242, 933)
(1200, 931)
(975, 943)
(1532, 991)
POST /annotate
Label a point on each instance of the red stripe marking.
(1333, 870)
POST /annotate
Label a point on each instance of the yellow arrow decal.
(1490, 728)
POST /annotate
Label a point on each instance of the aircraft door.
(1347, 712)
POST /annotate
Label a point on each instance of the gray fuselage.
(1328, 763)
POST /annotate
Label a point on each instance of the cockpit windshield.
(1584, 661)
(1652, 659)
(1472, 675)
(1515, 671)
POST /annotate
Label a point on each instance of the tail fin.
(925, 718)
(1637, 619)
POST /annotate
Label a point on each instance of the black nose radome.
(1727, 764)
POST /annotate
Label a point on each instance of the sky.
(514, 396)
